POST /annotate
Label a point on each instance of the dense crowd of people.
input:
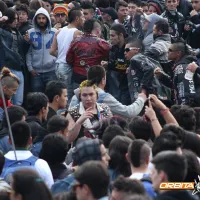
(99, 99)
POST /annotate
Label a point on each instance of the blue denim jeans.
(64, 73)
(39, 82)
(17, 99)
(122, 96)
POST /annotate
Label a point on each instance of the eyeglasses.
(76, 185)
(130, 49)
(60, 14)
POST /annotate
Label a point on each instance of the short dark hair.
(176, 130)
(193, 169)
(162, 25)
(173, 164)
(35, 102)
(96, 74)
(73, 13)
(135, 42)
(140, 128)
(128, 186)
(137, 2)
(57, 123)
(88, 5)
(186, 118)
(119, 28)
(49, 1)
(138, 152)
(10, 13)
(65, 196)
(111, 132)
(118, 149)
(90, 25)
(15, 114)
(54, 88)
(21, 134)
(22, 7)
(119, 4)
(95, 175)
(76, 4)
(165, 142)
(197, 115)
(137, 197)
(54, 149)
(29, 185)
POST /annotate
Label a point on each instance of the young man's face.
(122, 12)
(145, 9)
(23, 16)
(106, 17)
(10, 91)
(171, 4)
(62, 100)
(172, 53)
(196, 5)
(88, 13)
(114, 38)
(81, 20)
(41, 20)
(60, 18)
(132, 9)
(14, 23)
(130, 51)
(47, 6)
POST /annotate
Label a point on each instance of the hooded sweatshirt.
(38, 57)
(148, 37)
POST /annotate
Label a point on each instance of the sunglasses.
(60, 14)
(130, 49)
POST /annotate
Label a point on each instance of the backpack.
(36, 148)
(11, 166)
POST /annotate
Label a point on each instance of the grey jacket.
(115, 106)
(159, 49)
(38, 56)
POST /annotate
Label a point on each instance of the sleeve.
(148, 74)
(125, 111)
(184, 88)
(45, 172)
(154, 51)
(195, 19)
(29, 59)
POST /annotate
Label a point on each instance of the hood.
(153, 18)
(177, 195)
(187, 60)
(164, 37)
(44, 12)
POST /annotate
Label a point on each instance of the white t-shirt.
(41, 166)
(64, 39)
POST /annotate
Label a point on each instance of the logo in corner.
(197, 186)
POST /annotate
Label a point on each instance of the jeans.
(64, 73)
(122, 96)
(39, 82)
(17, 99)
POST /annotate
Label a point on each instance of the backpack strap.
(146, 178)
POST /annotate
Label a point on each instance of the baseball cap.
(110, 11)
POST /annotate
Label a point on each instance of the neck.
(54, 106)
(43, 29)
(121, 20)
(72, 25)
(101, 86)
(141, 169)
(39, 116)
(121, 44)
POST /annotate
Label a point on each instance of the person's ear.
(30, 141)
(56, 98)
(127, 158)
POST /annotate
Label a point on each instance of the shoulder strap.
(147, 179)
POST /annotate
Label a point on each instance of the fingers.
(150, 105)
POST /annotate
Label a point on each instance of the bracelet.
(154, 119)
(164, 111)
